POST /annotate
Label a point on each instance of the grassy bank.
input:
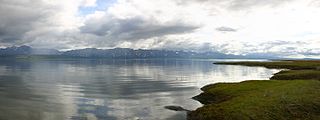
(284, 64)
(294, 70)
(297, 75)
(292, 94)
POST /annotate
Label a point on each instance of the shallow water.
(109, 89)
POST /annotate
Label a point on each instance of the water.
(109, 89)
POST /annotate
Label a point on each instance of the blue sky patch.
(102, 5)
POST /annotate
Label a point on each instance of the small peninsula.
(293, 93)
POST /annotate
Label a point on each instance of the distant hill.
(130, 53)
(26, 50)
(117, 53)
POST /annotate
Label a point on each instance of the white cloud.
(89, 3)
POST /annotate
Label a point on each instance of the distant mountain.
(263, 55)
(43, 51)
(130, 53)
(22, 50)
(120, 53)
(26, 50)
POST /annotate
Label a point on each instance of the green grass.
(296, 75)
(307, 70)
(293, 93)
(294, 65)
(260, 100)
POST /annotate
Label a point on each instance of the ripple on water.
(109, 89)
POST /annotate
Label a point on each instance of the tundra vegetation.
(293, 93)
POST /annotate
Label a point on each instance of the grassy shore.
(293, 93)
(283, 64)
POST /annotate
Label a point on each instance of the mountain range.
(117, 53)
(26, 50)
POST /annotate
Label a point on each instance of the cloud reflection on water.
(109, 89)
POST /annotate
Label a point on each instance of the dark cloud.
(17, 18)
(134, 28)
(226, 29)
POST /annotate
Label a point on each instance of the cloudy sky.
(287, 27)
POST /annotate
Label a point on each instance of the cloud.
(315, 3)
(226, 29)
(17, 18)
(236, 4)
(277, 47)
(88, 3)
(134, 28)
(128, 23)
(243, 4)
(23, 22)
(310, 52)
(197, 25)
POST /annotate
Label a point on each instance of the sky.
(284, 27)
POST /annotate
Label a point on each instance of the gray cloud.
(54, 25)
(237, 4)
(268, 49)
(17, 18)
(310, 53)
(281, 48)
(243, 4)
(226, 29)
(133, 28)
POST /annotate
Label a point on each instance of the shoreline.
(289, 94)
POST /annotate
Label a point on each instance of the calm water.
(109, 89)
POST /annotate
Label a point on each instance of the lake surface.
(109, 89)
